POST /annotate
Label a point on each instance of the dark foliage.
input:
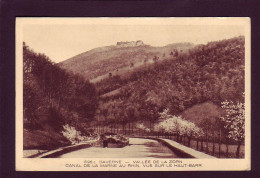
(54, 96)
(212, 72)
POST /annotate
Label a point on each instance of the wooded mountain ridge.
(209, 74)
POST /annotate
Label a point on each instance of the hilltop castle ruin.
(130, 43)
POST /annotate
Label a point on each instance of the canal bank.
(63, 150)
(139, 147)
(183, 151)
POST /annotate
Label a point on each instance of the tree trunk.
(219, 144)
(197, 144)
(238, 149)
(59, 104)
(132, 127)
(227, 150)
(207, 141)
(201, 144)
(151, 130)
(213, 143)
(129, 128)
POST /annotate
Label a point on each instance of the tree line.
(55, 96)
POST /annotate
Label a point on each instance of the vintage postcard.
(133, 94)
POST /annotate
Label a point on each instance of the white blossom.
(234, 119)
(72, 134)
(176, 124)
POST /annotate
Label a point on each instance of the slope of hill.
(208, 74)
(99, 62)
(52, 99)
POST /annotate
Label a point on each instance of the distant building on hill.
(129, 43)
(139, 43)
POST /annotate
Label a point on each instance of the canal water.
(137, 148)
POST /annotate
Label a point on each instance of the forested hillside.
(212, 72)
(101, 61)
(53, 98)
(194, 86)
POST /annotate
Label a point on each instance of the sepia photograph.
(116, 94)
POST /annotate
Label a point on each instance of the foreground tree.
(235, 121)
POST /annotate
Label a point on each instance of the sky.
(63, 41)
